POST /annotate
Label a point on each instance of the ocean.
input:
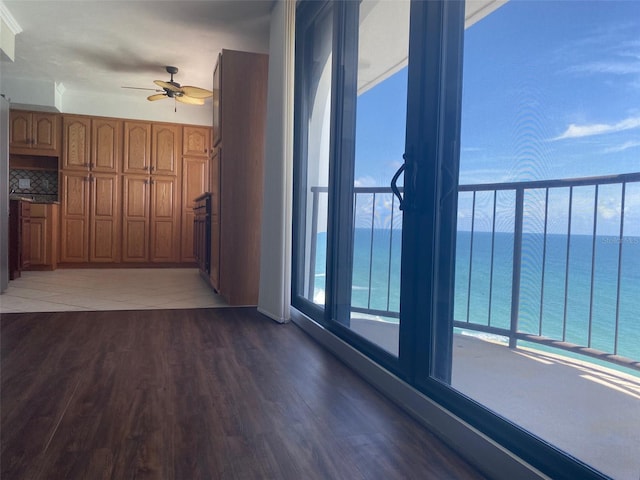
(483, 293)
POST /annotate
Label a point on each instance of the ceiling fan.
(171, 89)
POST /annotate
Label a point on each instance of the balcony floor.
(589, 411)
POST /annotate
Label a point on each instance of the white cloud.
(610, 67)
(366, 181)
(623, 147)
(577, 131)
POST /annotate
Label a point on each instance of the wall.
(275, 258)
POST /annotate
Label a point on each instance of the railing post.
(517, 263)
(313, 247)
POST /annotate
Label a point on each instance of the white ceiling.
(94, 47)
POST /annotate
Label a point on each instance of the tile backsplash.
(42, 182)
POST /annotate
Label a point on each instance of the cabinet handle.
(146, 167)
(152, 168)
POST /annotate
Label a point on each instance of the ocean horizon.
(483, 293)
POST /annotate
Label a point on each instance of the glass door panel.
(547, 254)
(380, 129)
(313, 179)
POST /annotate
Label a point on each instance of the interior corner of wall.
(58, 94)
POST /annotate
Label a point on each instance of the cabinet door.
(45, 132)
(106, 145)
(195, 179)
(38, 241)
(105, 218)
(195, 141)
(165, 149)
(137, 147)
(20, 129)
(165, 220)
(74, 222)
(76, 133)
(135, 218)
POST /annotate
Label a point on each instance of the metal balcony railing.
(519, 211)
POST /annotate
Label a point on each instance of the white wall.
(275, 257)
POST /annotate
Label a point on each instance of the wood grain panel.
(38, 241)
(195, 180)
(135, 219)
(45, 132)
(243, 120)
(74, 221)
(196, 394)
(76, 142)
(105, 218)
(20, 129)
(195, 141)
(165, 220)
(165, 149)
(137, 147)
(106, 144)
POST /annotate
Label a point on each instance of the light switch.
(24, 183)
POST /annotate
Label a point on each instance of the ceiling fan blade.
(189, 100)
(141, 88)
(196, 92)
(167, 85)
(157, 96)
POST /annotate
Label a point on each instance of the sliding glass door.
(432, 234)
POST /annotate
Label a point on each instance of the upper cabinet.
(137, 147)
(91, 143)
(106, 147)
(195, 141)
(77, 143)
(151, 148)
(34, 133)
(165, 149)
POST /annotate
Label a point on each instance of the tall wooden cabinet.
(195, 182)
(240, 79)
(151, 214)
(90, 190)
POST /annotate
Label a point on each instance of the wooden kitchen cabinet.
(196, 141)
(164, 220)
(137, 147)
(135, 218)
(165, 149)
(239, 124)
(90, 218)
(150, 228)
(76, 150)
(34, 133)
(195, 182)
(44, 236)
(106, 145)
(19, 237)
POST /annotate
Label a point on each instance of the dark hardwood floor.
(195, 394)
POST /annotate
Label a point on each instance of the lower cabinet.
(44, 236)
(150, 219)
(19, 237)
(90, 222)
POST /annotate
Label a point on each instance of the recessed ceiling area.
(75, 57)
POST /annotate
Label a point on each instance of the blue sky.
(551, 90)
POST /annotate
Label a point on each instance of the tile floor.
(108, 289)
